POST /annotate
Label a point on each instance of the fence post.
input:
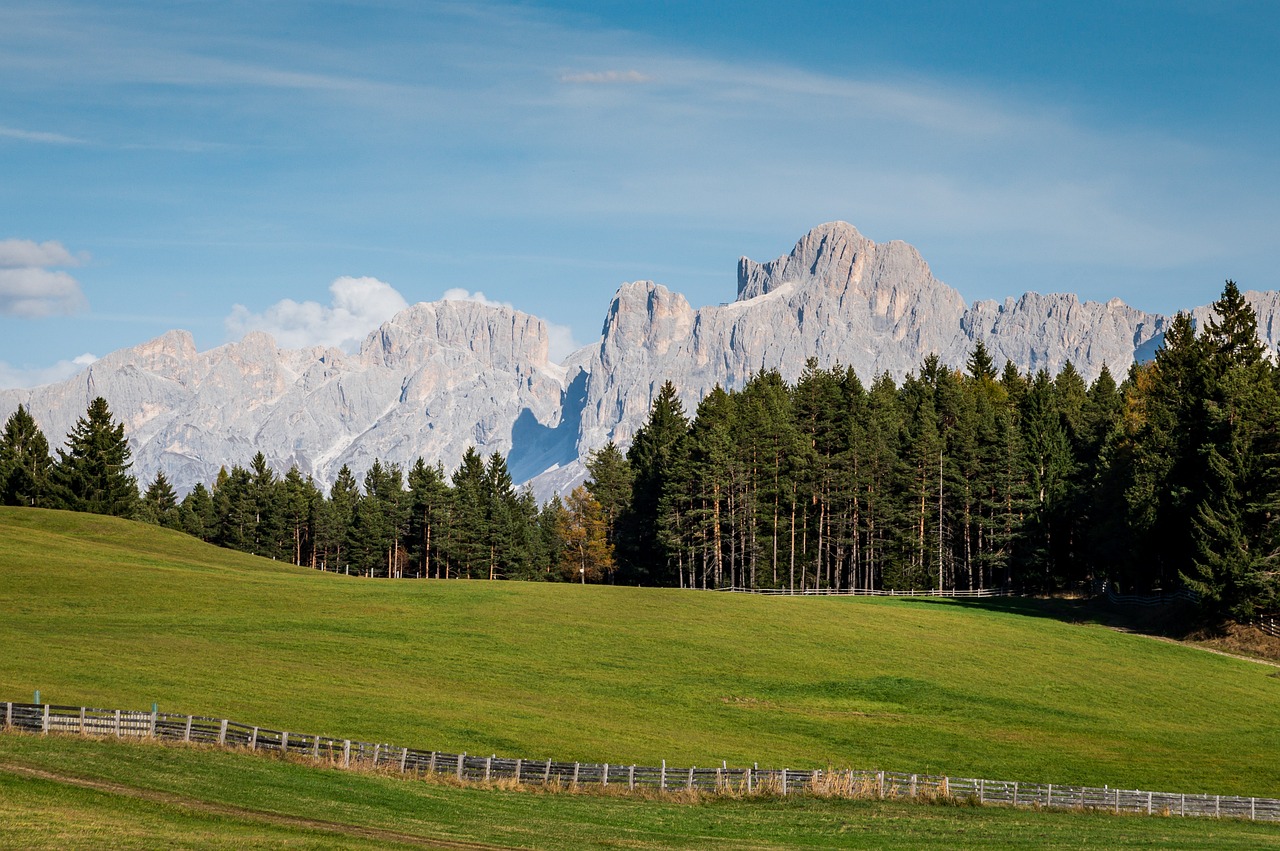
(488, 768)
(315, 748)
(546, 774)
(186, 734)
(1217, 805)
(519, 765)
(662, 781)
(748, 779)
(1117, 800)
(431, 764)
(117, 723)
(346, 753)
(784, 782)
(1149, 797)
(461, 757)
(946, 786)
(8, 713)
(575, 775)
(631, 777)
(376, 749)
(253, 740)
(1049, 798)
(154, 713)
(222, 732)
(880, 785)
(404, 758)
(284, 742)
(44, 720)
(604, 778)
(691, 777)
(1015, 793)
(1253, 805)
(982, 792)
(82, 720)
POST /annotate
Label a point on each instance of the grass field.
(107, 613)
(61, 792)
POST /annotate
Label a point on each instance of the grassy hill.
(109, 613)
(66, 792)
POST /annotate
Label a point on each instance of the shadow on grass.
(1176, 619)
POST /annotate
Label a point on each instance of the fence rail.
(869, 592)
(859, 783)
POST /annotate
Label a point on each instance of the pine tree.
(428, 517)
(196, 514)
(336, 517)
(586, 555)
(610, 485)
(92, 474)
(468, 540)
(644, 555)
(160, 504)
(24, 461)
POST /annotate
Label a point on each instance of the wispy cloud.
(357, 306)
(39, 136)
(604, 77)
(32, 285)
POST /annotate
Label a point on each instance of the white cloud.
(605, 77)
(24, 377)
(358, 306)
(17, 253)
(460, 294)
(560, 342)
(29, 288)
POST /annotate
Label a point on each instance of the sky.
(310, 168)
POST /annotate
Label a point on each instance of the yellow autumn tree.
(587, 555)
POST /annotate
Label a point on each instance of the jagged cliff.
(440, 377)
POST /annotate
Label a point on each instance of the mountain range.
(440, 377)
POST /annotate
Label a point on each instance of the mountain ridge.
(441, 376)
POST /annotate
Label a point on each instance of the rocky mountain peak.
(440, 377)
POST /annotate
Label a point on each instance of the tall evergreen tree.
(160, 504)
(428, 517)
(644, 555)
(92, 474)
(24, 461)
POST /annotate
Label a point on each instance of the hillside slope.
(105, 612)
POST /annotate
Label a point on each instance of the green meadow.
(142, 795)
(108, 613)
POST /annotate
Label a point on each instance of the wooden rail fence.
(854, 783)
(973, 593)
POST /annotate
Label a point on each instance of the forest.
(954, 479)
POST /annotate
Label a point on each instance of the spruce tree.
(645, 556)
(24, 461)
(428, 517)
(92, 474)
(160, 504)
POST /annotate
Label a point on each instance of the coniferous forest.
(954, 479)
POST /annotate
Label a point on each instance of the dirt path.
(371, 833)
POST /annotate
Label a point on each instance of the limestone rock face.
(440, 377)
(432, 381)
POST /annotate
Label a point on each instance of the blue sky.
(308, 167)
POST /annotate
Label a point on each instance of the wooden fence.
(978, 593)
(854, 783)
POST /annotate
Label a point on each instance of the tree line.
(473, 524)
(953, 479)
